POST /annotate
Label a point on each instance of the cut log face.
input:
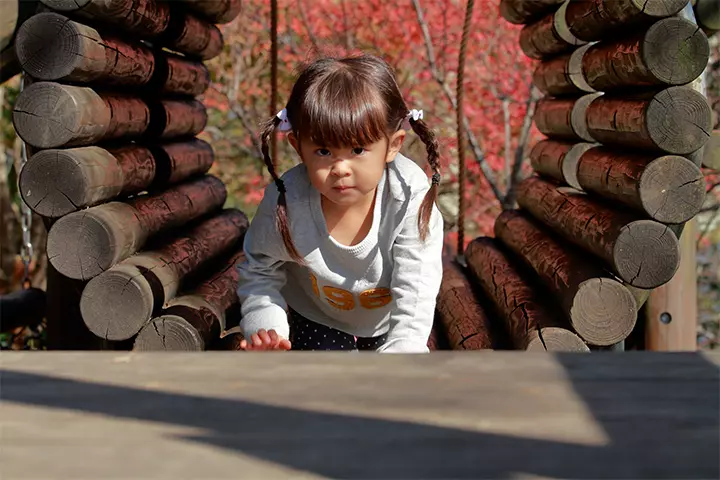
(521, 11)
(514, 298)
(463, 318)
(84, 244)
(152, 278)
(672, 51)
(170, 332)
(601, 310)
(669, 189)
(675, 120)
(708, 14)
(643, 253)
(592, 20)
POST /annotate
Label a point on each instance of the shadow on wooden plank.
(661, 424)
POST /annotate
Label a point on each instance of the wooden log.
(669, 188)
(22, 308)
(675, 120)
(559, 159)
(12, 15)
(156, 20)
(711, 152)
(592, 20)
(527, 319)
(116, 304)
(216, 11)
(565, 118)
(548, 36)
(51, 115)
(84, 244)
(466, 324)
(53, 47)
(600, 309)
(563, 74)
(673, 51)
(707, 13)
(521, 12)
(642, 252)
(193, 36)
(197, 319)
(55, 182)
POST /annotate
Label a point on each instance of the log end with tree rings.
(555, 339)
(646, 254)
(66, 5)
(659, 8)
(675, 51)
(55, 182)
(578, 116)
(81, 245)
(678, 120)
(169, 333)
(49, 115)
(51, 47)
(603, 312)
(672, 189)
(116, 304)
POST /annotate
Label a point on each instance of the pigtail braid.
(281, 218)
(427, 136)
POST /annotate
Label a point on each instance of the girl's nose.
(340, 169)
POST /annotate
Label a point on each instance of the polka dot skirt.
(308, 335)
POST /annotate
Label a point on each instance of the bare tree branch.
(239, 112)
(508, 139)
(477, 151)
(306, 24)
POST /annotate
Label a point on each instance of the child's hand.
(264, 340)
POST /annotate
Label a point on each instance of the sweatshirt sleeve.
(261, 276)
(415, 284)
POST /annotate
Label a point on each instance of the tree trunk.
(563, 75)
(672, 51)
(84, 244)
(53, 47)
(523, 11)
(669, 189)
(592, 20)
(216, 11)
(675, 120)
(601, 310)
(565, 118)
(642, 252)
(515, 300)
(548, 36)
(196, 320)
(559, 159)
(466, 323)
(146, 18)
(117, 303)
(55, 182)
(711, 153)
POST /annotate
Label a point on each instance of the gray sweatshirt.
(387, 283)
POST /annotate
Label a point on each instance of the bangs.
(342, 109)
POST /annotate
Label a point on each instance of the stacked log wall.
(135, 218)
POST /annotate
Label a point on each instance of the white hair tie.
(284, 125)
(415, 114)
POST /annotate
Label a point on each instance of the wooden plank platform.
(95, 415)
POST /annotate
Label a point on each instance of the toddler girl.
(344, 252)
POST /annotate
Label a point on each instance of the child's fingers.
(284, 344)
(265, 337)
(273, 337)
(256, 340)
(244, 344)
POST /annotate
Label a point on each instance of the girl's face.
(348, 175)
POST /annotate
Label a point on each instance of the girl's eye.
(358, 150)
(323, 152)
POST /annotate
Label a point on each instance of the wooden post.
(55, 182)
(674, 120)
(196, 319)
(465, 322)
(548, 36)
(84, 244)
(117, 303)
(563, 75)
(216, 11)
(559, 159)
(601, 310)
(642, 252)
(671, 312)
(521, 11)
(148, 18)
(193, 36)
(531, 324)
(565, 118)
(592, 20)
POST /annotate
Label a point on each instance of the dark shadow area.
(661, 413)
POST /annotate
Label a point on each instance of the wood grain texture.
(563, 74)
(642, 252)
(522, 11)
(216, 11)
(548, 36)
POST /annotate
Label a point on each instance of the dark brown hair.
(348, 101)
